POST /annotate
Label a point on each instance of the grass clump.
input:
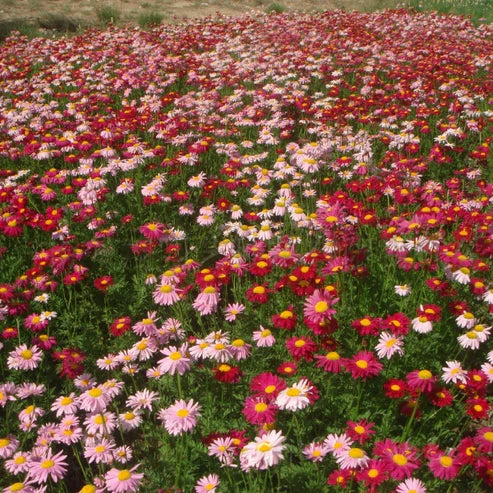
(150, 19)
(276, 8)
(58, 23)
(477, 10)
(107, 14)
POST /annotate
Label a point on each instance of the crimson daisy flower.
(484, 439)
(120, 326)
(400, 459)
(445, 465)
(330, 362)
(360, 431)
(267, 385)
(373, 474)
(227, 374)
(301, 348)
(441, 397)
(284, 320)
(259, 411)
(367, 326)
(287, 368)
(363, 365)
(258, 293)
(397, 323)
(103, 283)
(477, 408)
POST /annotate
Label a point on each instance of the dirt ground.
(84, 12)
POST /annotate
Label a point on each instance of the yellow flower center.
(175, 356)
(361, 363)
(166, 288)
(182, 413)
(356, 453)
(365, 322)
(488, 436)
(269, 389)
(399, 459)
(300, 343)
(259, 290)
(293, 392)
(95, 392)
(446, 461)
(20, 459)
(260, 407)
(424, 374)
(359, 429)
(16, 487)
(321, 306)
(264, 447)
(286, 314)
(26, 354)
(373, 473)
(124, 475)
(333, 356)
(224, 368)
(47, 464)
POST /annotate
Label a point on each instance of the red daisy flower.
(397, 323)
(120, 326)
(445, 465)
(400, 459)
(422, 380)
(360, 431)
(258, 411)
(367, 326)
(330, 362)
(373, 474)
(301, 348)
(285, 320)
(287, 368)
(258, 293)
(395, 389)
(227, 374)
(103, 283)
(477, 408)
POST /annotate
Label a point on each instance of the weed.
(150, 19)
(275, 8)
(107, 14)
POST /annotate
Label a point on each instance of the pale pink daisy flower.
(199, 349)
(180, 417)
(263, 337)
(207, 484)
(100, 424)
(166, 295)
(469, 340)
(146, 326)
(26, 486)
(411, 485)
(240, 349)
(94, 400)
(123, 481)
(130, 420)
(49, 466)
(7, 393)
(142, 399)
(402, 290)
(487, 369)
(353, 458)
(65, 405)
(112, 387)
(99, 450)
(144, 349)
(30, 414)
(154, 372)
(294, 397)
(175, 361)
(18, 464)
(173, 329)
(109, 362)
(223, 449)
(466, 320)
(454, 372)
(337, 444)
(388, 345)
(266, 451)
(123, 454)
(232, 311)
(29, 389)
(85, 381)
(315, 451)
(207, 301)
(68, 435)
(422, 325)
(24, 358)
(8, 446)
(219, 351)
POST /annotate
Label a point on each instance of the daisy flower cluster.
(248, 254)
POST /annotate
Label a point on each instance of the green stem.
(411, 419)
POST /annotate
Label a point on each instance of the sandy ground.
(85, 11)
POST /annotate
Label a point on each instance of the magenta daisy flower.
(318, 306)
(399, 458)
(123, 480)
(445, 465)
(363, 365)
(258, 411)
(422, 380)
(267, 385)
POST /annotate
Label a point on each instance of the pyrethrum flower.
(24, 358)
(207, 484)
(180, 417)
(266, 451)
(49, 466)
(318, 306)
(123, 480)
(294, 397)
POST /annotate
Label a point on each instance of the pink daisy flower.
(318, 306)
(266, 451)
(315, 451)
(232, 311)
(123, 480)
(180, 417)
(8, 445)
(49, 466)
(353, 458)
(24, 358)
(263, 337)
(207, 484)
(174, 361)
(411, 485)
(94, 400)
(207, 301)
(294, 397)
(166, 295)
(258, 411)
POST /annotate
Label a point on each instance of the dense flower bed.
(248, 254)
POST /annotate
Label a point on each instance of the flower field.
(248, 254)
